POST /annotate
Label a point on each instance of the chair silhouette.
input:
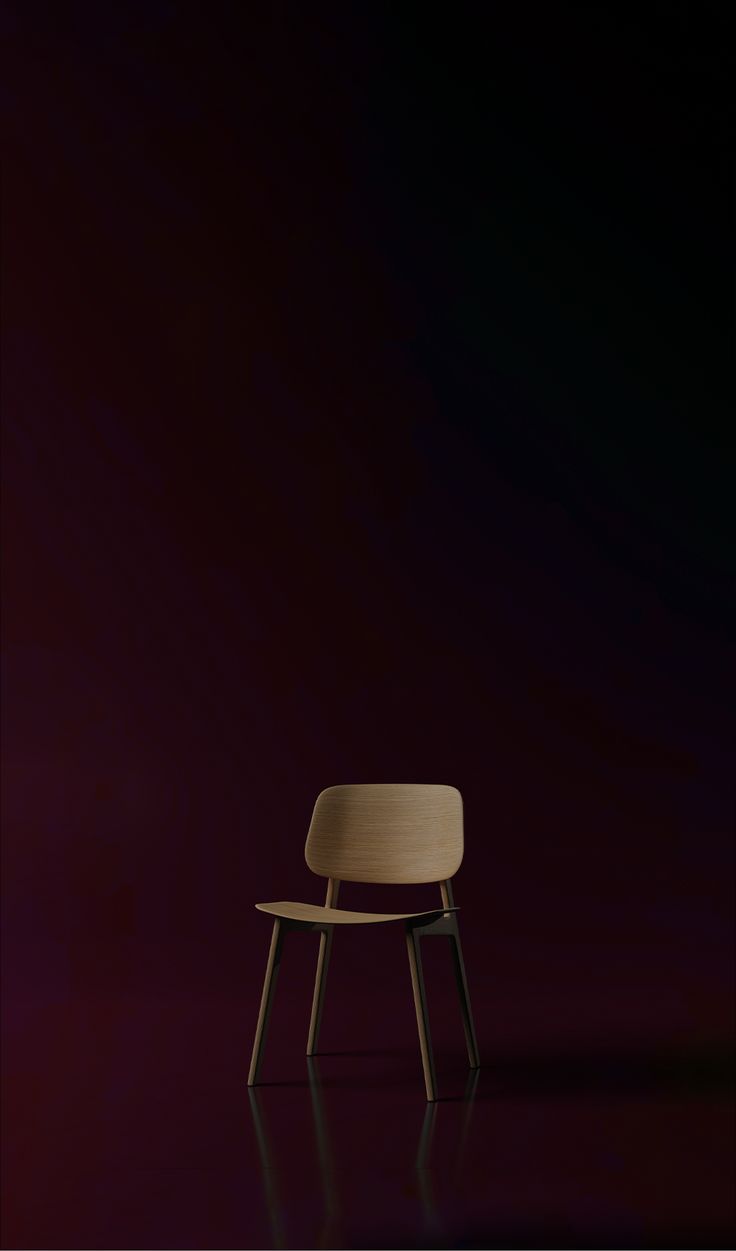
(381, 833)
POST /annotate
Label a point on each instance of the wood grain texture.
(338, 916)
(386, 832)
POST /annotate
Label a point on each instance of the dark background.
(367, 404)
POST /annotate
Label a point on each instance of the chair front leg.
(323, 960)
(269, 986)
(420, 1005)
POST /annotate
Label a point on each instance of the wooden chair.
(377, 833)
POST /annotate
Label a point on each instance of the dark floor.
(133, 1127)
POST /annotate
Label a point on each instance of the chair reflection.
(330, 1228)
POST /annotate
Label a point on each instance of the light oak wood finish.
(386, 832)
(338, 916)
(323, 960)
(398, 833)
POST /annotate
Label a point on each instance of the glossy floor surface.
(132, 1126)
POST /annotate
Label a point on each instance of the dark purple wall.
(364, 422)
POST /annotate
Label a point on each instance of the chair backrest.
(386, 832)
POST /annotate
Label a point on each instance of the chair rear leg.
(269, 985)
(462, 982)
(420, 1005)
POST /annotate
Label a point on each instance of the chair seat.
(340, 916)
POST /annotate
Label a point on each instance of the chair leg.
(323, 960)
(462, 988)
(269, 985)
(320, 982)
(420, 1005)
